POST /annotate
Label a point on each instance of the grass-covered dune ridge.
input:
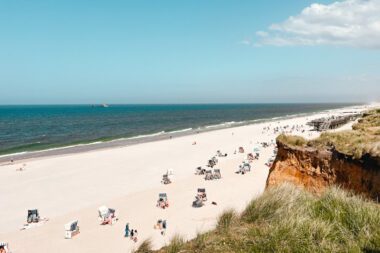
(364, 138)
(290, 219)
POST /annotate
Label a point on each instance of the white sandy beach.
(73, 186)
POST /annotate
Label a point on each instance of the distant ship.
(102, 105)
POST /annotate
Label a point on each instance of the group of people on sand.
(131, 233)
(287, 129)
(161, 225)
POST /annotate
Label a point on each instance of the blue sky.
(184, 52)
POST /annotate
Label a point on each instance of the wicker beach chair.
(217, 174)
(163, 201)
(168, 177)
(244, 168)
(33, 216)
(208, 175)
(71, 229)
(107, 215)
(200, 198)
(165, 179)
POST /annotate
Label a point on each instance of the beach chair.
(217, 174)
(201, 193)
(4, 246)
(200, 198)
(200, 171)
(163, 201)
(71, 229)
(107, 215)
(208, 175)
(165, 179)
(244, 168)
(33, 220)
(33, 216)
(168, 177)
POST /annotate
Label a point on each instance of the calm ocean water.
(29, 128)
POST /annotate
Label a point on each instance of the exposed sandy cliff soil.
(316, 169)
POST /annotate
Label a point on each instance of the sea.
(26, 128)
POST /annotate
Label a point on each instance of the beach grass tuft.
(175, 245)
(200, 241)
(226, 219)
(145, 247)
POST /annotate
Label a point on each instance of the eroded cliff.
(320, 163)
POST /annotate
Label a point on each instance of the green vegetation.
(363, 139)
(175, 245)
(289, 219)
(226, 220)
(292, 140)
(145, 247)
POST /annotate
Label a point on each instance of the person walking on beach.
(127, 230)
(134, 235)
(164, 226)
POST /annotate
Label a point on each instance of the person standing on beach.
(127, 230)
(164, 226)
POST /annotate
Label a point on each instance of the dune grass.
(175, 245)
(364, 138)
(226, 219)
(289, 219)
(145, 247)
(292, 140)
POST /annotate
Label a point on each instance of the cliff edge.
(349, 159)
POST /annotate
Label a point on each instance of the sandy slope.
(128, 178)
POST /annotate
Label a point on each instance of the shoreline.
(135, 140)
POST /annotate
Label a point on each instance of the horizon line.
(221, 103)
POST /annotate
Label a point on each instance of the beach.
(72, 186)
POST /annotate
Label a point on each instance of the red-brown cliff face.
(315, 170)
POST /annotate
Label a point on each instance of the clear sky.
(194, 51)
